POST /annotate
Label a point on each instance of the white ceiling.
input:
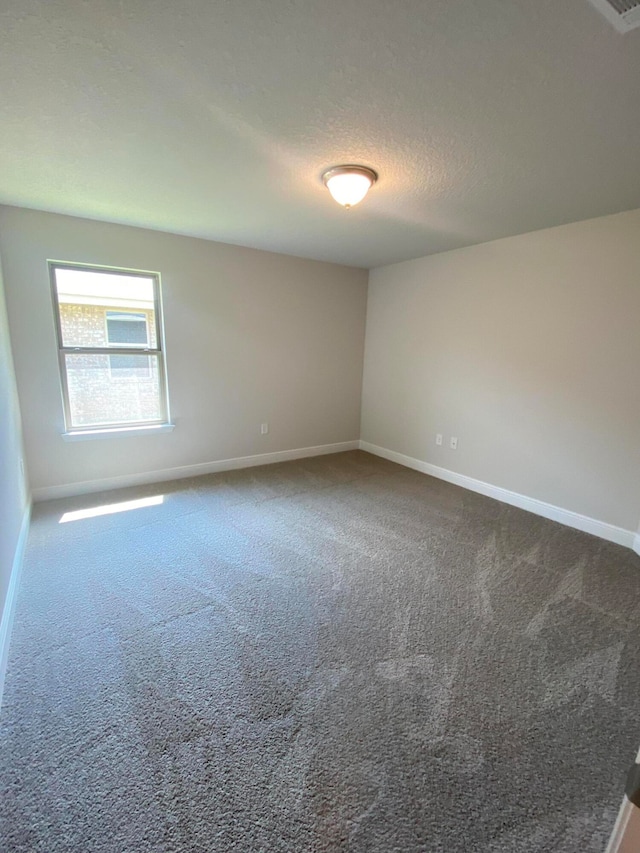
(216, 118)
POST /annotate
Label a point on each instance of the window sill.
(116, 432)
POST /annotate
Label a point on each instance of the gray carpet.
(335, 654)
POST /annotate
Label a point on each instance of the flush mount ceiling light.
(349, 184)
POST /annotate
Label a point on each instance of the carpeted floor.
(334, 654)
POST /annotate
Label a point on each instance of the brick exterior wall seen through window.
(99, 390)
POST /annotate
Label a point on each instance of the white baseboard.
(602, 529)
(8, 610)
(67, 490)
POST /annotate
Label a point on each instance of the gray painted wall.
(251, 337)
(528, 350)
(13, 487)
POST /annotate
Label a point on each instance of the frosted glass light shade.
(349, 184)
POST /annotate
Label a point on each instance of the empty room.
(319, 426)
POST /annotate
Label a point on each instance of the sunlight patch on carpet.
(110, 509)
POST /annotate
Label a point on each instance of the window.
(127, 328)
(109, 328)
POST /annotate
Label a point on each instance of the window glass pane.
(87, 298)
(133, 363)
(113, 389)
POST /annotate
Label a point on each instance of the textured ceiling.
(216, 119)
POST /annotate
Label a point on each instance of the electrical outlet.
(264, 429)
(439, 438)
(453, 443)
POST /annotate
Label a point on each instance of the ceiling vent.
(623, 14)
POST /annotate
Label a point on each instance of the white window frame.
(124, 427)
